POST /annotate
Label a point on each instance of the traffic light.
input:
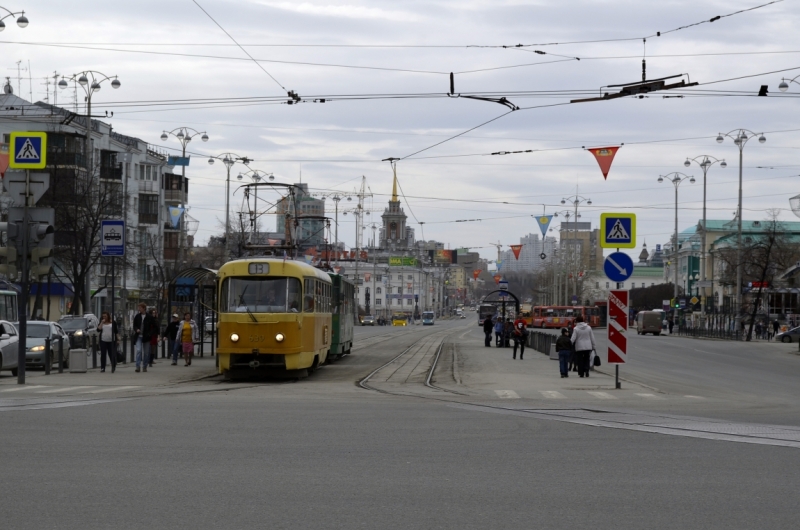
(9, 252)
(41, 248)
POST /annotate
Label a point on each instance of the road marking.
(23, 387)
(601, 395)
(113, 389)
(66, 389)
(648, 396)
(694, 397)
(506, 394)
(552, 394)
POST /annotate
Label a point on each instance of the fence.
(541, 341)
(709, 333)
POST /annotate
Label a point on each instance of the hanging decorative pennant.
(476, 273)
(516, 249)
(497, 278)
(604, 157)
(175, 213)
(544, 223)
(309, 258)
(499, 264)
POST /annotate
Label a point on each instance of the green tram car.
(343, 316)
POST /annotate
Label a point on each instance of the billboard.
(443, 257)
(402, 261)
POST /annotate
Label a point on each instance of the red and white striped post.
(617, 330)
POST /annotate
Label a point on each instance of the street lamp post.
(91, 82)
(184, 136)
(229, 159)
(256, 175)
(705, 162)
(576, 201)
(784, 86)
(22, 20)
(740, 139)
(676, 180)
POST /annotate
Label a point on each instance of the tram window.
(294, 296)
(267, 294)
(308, 299)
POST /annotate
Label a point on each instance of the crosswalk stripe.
(601, 395)
(507, 394)
(112, 389)
(552, 394)
(648, 396)
(694, 397)
(66, 389)
(23, 387)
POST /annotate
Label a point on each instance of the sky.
(174, 51)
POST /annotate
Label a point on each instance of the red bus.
(563, 316)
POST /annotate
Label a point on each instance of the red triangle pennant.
(604, 157)
(515, 249)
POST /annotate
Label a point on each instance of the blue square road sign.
(28, 150)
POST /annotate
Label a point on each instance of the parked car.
(79, 329)
(36, 333)
(9, 350)
(792, 335)
(211, 324)
(368, 320)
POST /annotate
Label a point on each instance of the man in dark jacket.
(564, 349)
(170, 333)
(148, 326)
(488, 327)
(138, 343)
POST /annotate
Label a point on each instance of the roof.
(747, 225)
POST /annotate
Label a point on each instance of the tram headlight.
(234, 337)
(279, 337)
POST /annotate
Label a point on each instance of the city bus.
(563, 316)
(485, 311)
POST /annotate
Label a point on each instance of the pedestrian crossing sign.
(618, 230)
(28, 150)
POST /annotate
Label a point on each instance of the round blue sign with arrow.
(618, 266)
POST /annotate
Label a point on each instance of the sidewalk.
(161, 374)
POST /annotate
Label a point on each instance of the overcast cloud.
(337, 142)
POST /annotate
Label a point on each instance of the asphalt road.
(326, 453)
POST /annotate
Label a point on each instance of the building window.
(643, 284)
(410, 277)
(377, 301)
(148, 209)
(377, 290)
(409, 302)
(596, 285)
(607, 285)
(399, 290)
(378, 278)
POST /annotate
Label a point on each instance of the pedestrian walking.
(498, 332)
(583, 342)
(564, 349)
(140, 344)
(488, 327)
(776, 326)
(187, 336)
(759, 330)
(508, 332)
(519, 335)
(670, 323)
(155, 333)
(108, 341)
(170, 333)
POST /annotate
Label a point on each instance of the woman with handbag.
(187, 336)
(583, 341)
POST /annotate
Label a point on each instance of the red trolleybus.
(563, 316)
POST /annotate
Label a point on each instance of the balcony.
(170, 254)
(111, 172)
(65, 158)
(148, 218)
(176, 196)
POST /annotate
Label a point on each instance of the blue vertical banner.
(175, 213)
(544, 223)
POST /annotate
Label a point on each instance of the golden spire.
(394, 184)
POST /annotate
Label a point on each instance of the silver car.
(792, 335)
(9, 351)
(36, 333)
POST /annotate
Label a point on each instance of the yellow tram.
(273, 314)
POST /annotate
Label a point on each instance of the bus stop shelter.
(193, 290)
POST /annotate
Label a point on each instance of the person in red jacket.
(520, 336)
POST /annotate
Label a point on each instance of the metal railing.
(708, 333)
(541, 341)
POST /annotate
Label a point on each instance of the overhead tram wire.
(237, 44)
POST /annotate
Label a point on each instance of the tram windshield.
(266, 294)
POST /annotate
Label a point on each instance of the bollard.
(94, 351)
(133, 349)
(124, 349)
(163, 349)
(61, 355)
(47, 356)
